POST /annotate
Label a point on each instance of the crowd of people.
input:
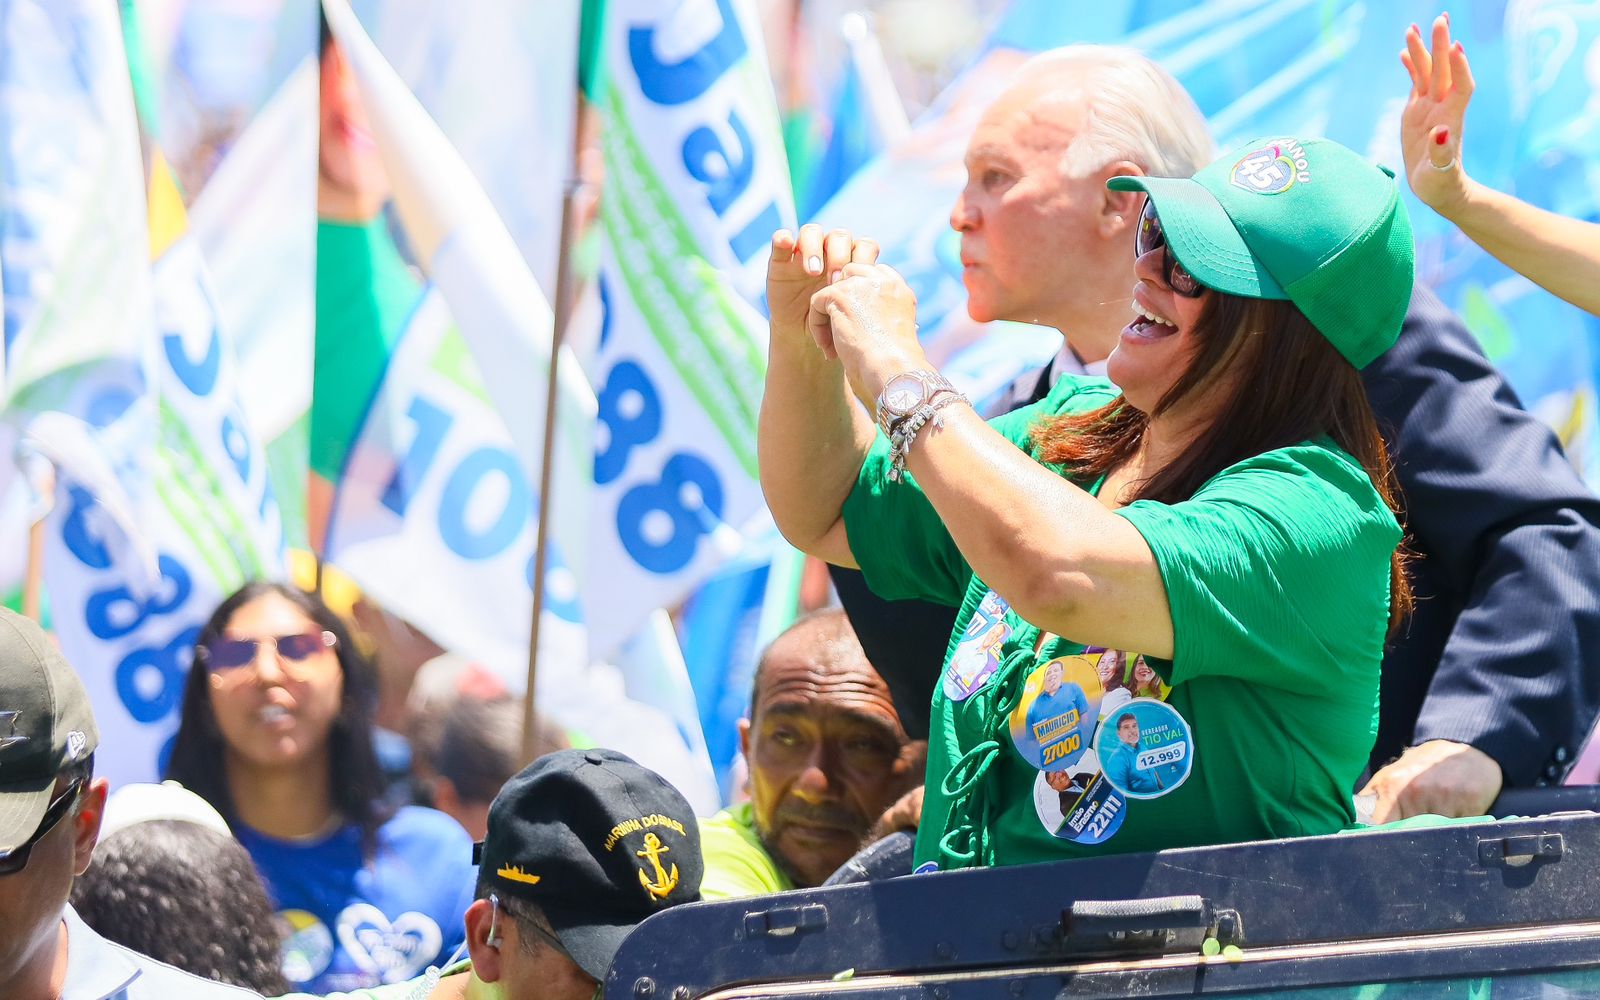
(1279, 553)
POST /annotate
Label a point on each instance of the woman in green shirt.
(1225, 510)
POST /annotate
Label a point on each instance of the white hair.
(1136, 111)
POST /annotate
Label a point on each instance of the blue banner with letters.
(696, 183)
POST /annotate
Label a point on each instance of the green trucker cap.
(1305, 220)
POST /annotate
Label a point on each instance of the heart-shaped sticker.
(395, 950)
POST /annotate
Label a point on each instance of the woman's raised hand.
(868, 320)
(801, 266)
(1430, 126)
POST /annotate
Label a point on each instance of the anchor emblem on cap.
(665, 881)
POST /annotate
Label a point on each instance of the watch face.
(902, 394)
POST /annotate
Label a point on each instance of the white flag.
(696, 182)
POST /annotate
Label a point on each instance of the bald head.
(825, 644)
(825, 747)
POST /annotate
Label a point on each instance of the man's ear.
(485, 956)
(744, 738)
(86, 824)
(1119, 210)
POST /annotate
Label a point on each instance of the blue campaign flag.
(719, 629)
(852, 143)
(867, 116)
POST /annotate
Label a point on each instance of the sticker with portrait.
(1146, 749)
(1078, 805)
(1053, 723)
(978, 655)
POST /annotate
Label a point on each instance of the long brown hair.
(1290, 385)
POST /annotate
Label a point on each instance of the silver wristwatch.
(904, 393)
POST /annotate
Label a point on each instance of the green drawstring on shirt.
(966, 840)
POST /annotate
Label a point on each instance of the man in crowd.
(1496, 679)
(473, 750)
(582, 845)
(50, 808)
(827, 755)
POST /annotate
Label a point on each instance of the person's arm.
(1559, 254)
(812, 438)
(1498, 512)
(1060, 559)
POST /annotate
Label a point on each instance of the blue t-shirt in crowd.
(353, 923)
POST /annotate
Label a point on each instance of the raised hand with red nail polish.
(1431, 125)
(1561, 255)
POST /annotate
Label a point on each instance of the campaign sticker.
(307, 946)
(1080, 806)
(977, 655)
(1120, 677)
(1053, 723)
(1146, 749)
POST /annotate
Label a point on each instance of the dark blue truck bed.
(1507, 908)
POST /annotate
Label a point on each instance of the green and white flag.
(122, 378)
(696, 182)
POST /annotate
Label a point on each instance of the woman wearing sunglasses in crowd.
(276, 733)
(1225, 510)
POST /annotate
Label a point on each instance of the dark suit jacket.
(1503, 651)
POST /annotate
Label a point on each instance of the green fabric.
(1310, 221)
(288, 461)
(736, 862)
(1422, 821)
(365, 293)
(591, 49)
(804, 144)
(411, 989)
(139, 74)
(1277, 575)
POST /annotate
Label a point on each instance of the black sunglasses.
(232, 654)
(16, 859)
(1150, 236)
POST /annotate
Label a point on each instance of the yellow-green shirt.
(736, 862)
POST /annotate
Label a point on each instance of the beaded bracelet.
(905, 432)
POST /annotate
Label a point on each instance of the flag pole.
(562, 311)
(33, 570)
(33, 579)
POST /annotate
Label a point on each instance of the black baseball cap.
(597, 842)
(45, 725)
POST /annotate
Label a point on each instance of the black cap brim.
(591, 942)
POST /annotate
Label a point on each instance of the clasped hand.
(857, 311)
